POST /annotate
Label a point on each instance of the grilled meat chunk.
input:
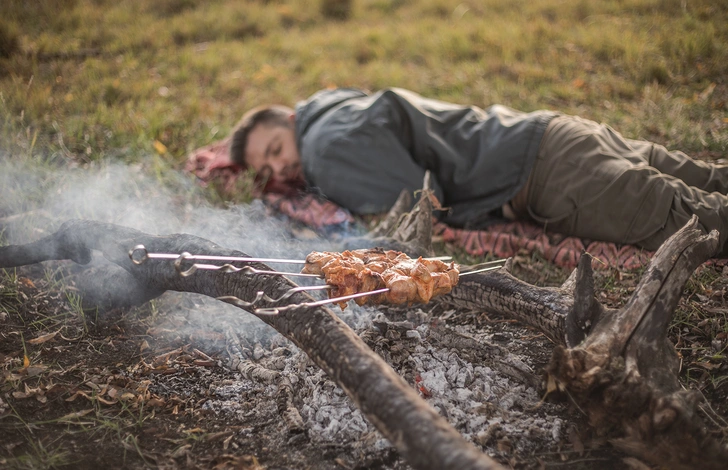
(408, 280)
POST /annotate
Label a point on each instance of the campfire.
(615, 365)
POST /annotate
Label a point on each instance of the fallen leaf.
(76, 395)
(706, 365)
(575, 439)
(155, 402)
(26, 282)
(43, 338)
(217, 435)
(181, 451)
(35, 370)
(551, 385)
(160, 147)
(105, 402)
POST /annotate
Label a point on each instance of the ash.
(482, 378)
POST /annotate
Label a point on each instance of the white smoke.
(37, 197)
(129, 195)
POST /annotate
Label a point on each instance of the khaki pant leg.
(711, 209)
(587, 183)
(698, 174)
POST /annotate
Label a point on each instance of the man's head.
(265, 141)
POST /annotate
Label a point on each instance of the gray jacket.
(362, 149)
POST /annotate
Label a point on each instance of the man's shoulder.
(330, 95)
(311, 111)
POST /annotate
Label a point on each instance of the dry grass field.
(119, 92)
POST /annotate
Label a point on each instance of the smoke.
(38, 197)
(136, 196)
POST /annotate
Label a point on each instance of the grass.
(110, 427)
(102, 79)
(88, 83)
(8, 288)
(40, 456)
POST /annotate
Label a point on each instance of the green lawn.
(109, 78)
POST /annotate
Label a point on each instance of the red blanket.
(500, 240)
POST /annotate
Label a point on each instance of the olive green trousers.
(591, 182)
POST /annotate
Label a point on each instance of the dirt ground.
(162, 386)
(180, 382)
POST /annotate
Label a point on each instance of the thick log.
(544, 308)
(624, 374)
(423, 437)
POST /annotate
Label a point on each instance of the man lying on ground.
(571, 175)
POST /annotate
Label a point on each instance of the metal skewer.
(229, 268)
(481, 270)
(276, 310)
(333, 300)
(139, 254)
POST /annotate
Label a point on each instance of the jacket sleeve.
(365, 170)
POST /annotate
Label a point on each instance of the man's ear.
(292, 117)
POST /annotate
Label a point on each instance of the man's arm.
(365, 170)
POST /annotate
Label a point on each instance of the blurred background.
(128, 79)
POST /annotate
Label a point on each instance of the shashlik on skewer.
(384, 276)
(408, 280)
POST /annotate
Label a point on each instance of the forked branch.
(624, 374)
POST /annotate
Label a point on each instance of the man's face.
(272, 152)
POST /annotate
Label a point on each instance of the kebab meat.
(409, 280)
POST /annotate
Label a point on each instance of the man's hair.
(269, 115)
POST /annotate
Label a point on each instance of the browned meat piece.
(409, 280)
(368, 281)
(316, 260)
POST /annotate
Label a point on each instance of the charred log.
(544, 308)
